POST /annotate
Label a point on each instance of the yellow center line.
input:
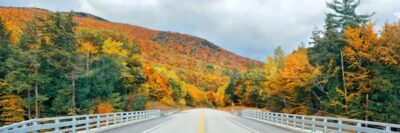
(201, 123)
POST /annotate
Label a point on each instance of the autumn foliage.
(63, 64)
(292, 81)
(11, 109)
(105, 107)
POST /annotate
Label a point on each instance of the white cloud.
(251, 28)
(397, 15)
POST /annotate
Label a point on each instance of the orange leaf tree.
(291, 88)
(105, 107)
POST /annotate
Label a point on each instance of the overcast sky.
(251, 28)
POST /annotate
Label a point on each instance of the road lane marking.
(155, 127)
(248, 128)
(201, 123)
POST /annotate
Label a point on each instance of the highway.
(199, 121)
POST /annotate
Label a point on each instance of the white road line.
(248, 128)
(155, 127)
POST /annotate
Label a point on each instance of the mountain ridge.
(84, 18)
(197, 60)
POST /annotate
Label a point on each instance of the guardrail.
(79, 123)
(320, 124)
(169, 112)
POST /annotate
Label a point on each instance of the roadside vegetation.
(56, 64)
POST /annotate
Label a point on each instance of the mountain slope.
(150, 41)
(200, 64)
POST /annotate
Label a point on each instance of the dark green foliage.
(384, 100)
(326, 52)
(379, 104)
(119, 102)
(189, 101)
(4, 48)
(162, 37)
(230, 92)
(61, 54)
(140, 103)
(47, 59)
(234, 78)
(345, 14)
(177, 90)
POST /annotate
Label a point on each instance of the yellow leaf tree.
(11, 109)
(114, 48)
(358, 54)
(88, 50)
(387, 50)
(292, 85)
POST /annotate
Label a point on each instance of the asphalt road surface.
(199, 121)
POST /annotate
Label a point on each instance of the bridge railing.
(79, 122)
(320, 124)
(169, 112)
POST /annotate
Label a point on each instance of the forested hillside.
(57, 63)
(349, 71)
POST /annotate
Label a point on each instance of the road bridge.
(200, 120)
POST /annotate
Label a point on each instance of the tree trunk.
(73, 95)
(87, 63)
(344, 82)
(284, 102)
(37, 112)
(366, 108)
(29, 105)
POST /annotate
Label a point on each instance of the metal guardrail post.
(263, 116)
(294, 117)
(35, 124)
(340, 122)
(74, 125)
(313, 124)
(287, 119)
(388, 128)
(256, 114)
(325, 125)
(269, 116)
(107, 120)
(120, 118)
(130, 116)
(57, 129)
(126, 116)
(135, 116)
(302, 122)
(358, 126)
(98, 118)
(87, 122)
(115, 119)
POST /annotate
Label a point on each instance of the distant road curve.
(199, 121)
